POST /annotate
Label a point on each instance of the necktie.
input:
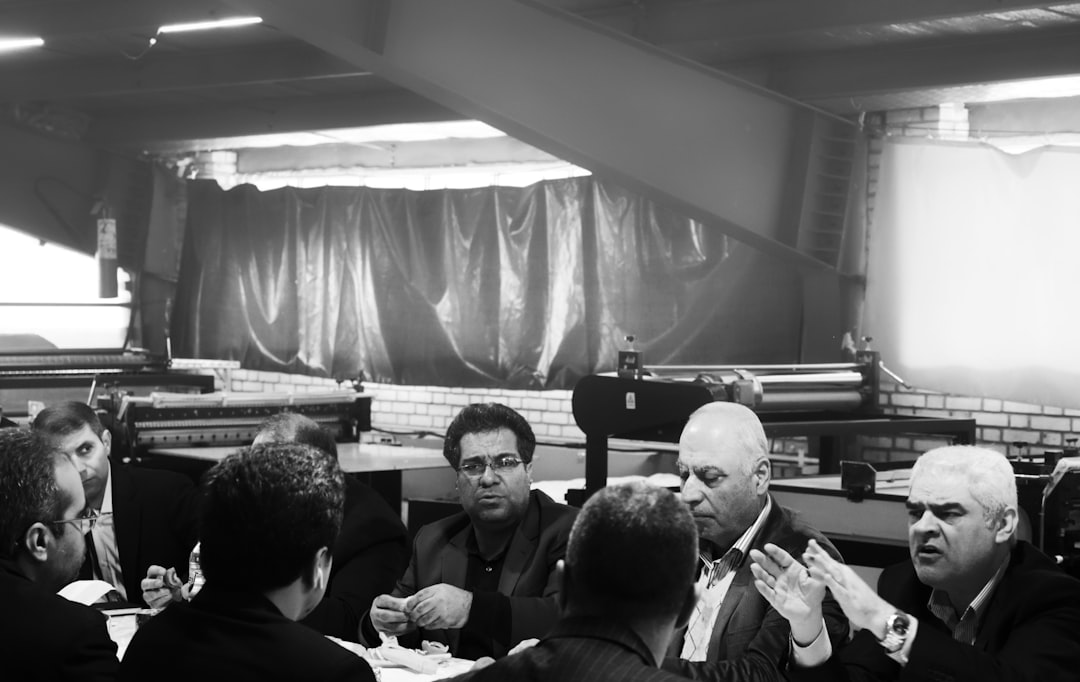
(91, 567)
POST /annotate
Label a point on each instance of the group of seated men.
(717, 583)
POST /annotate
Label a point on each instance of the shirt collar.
(106, 500)
(739, 550)
(941, 606)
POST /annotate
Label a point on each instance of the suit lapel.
(127, 521)
(455, 561)
(521, 549)
(741, 584)
(728, 607)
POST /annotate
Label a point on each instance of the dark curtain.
(502, 287)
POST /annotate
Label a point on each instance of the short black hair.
(64, 418)
(633, 553)
(483, 418)
(28, 489)
(290, 427)
(266, 510)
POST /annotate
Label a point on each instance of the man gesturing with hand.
(974, 604)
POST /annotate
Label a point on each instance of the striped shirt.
(966, 627)
(716, 577)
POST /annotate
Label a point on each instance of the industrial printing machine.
(150, 400)
(50, 376)
(228, 419)
(828, 404)
(859, 505)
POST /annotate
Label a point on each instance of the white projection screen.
(973, 278)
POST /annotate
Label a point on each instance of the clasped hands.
(796, 591)
(436, 607)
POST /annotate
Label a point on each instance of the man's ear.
(106, 440)
(562, 584)
(324, 561)
(316, 574)
(36, 541)
(1005, 526)
(687, 608)
(762, 473)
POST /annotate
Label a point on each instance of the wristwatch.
(896, 632)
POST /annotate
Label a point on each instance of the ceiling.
(99, 80)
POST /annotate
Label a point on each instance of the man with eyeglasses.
(149, 516)
(42, 635)
(482, 580)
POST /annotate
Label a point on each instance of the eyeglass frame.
(500, 465)
(84, 523)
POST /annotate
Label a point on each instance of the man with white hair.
(733, 633)
(973, 604)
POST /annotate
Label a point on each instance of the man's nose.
(488, 478)
(691, 492)
(926, 524)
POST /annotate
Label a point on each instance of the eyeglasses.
(475, 468)
(83, 523)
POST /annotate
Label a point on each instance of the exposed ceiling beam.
(392, 155)
(173, 72)
(856, 73)
(715, 148)
(670, 23)
(205, 127)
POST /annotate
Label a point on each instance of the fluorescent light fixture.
(7, 44)
(231, 22)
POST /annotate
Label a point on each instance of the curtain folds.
(502, 287)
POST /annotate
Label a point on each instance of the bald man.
(734, 634)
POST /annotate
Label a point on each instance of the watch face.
(899, 623)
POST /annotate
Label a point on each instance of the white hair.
(989, 475)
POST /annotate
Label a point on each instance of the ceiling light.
(207, 25)
(7, 44)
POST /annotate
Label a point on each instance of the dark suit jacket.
(1030, 631)
(46, 637)
(750, 639)
(371, 551)
(234, 636)
(440, 555)
(156, 519)
(579, 650)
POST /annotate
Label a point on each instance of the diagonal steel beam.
(716, 148)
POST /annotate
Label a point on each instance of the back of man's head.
(29, 492)
(290, 427)
(483, 418)
(266, 511)
(632, 554)
(64, 418)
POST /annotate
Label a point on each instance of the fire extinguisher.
(106, 254)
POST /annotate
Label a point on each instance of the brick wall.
(999, 423)
(429, 409)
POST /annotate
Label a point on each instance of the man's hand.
(161, 587)
(861, 604)
(440, 606)
(389, 617)
(791, 589)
